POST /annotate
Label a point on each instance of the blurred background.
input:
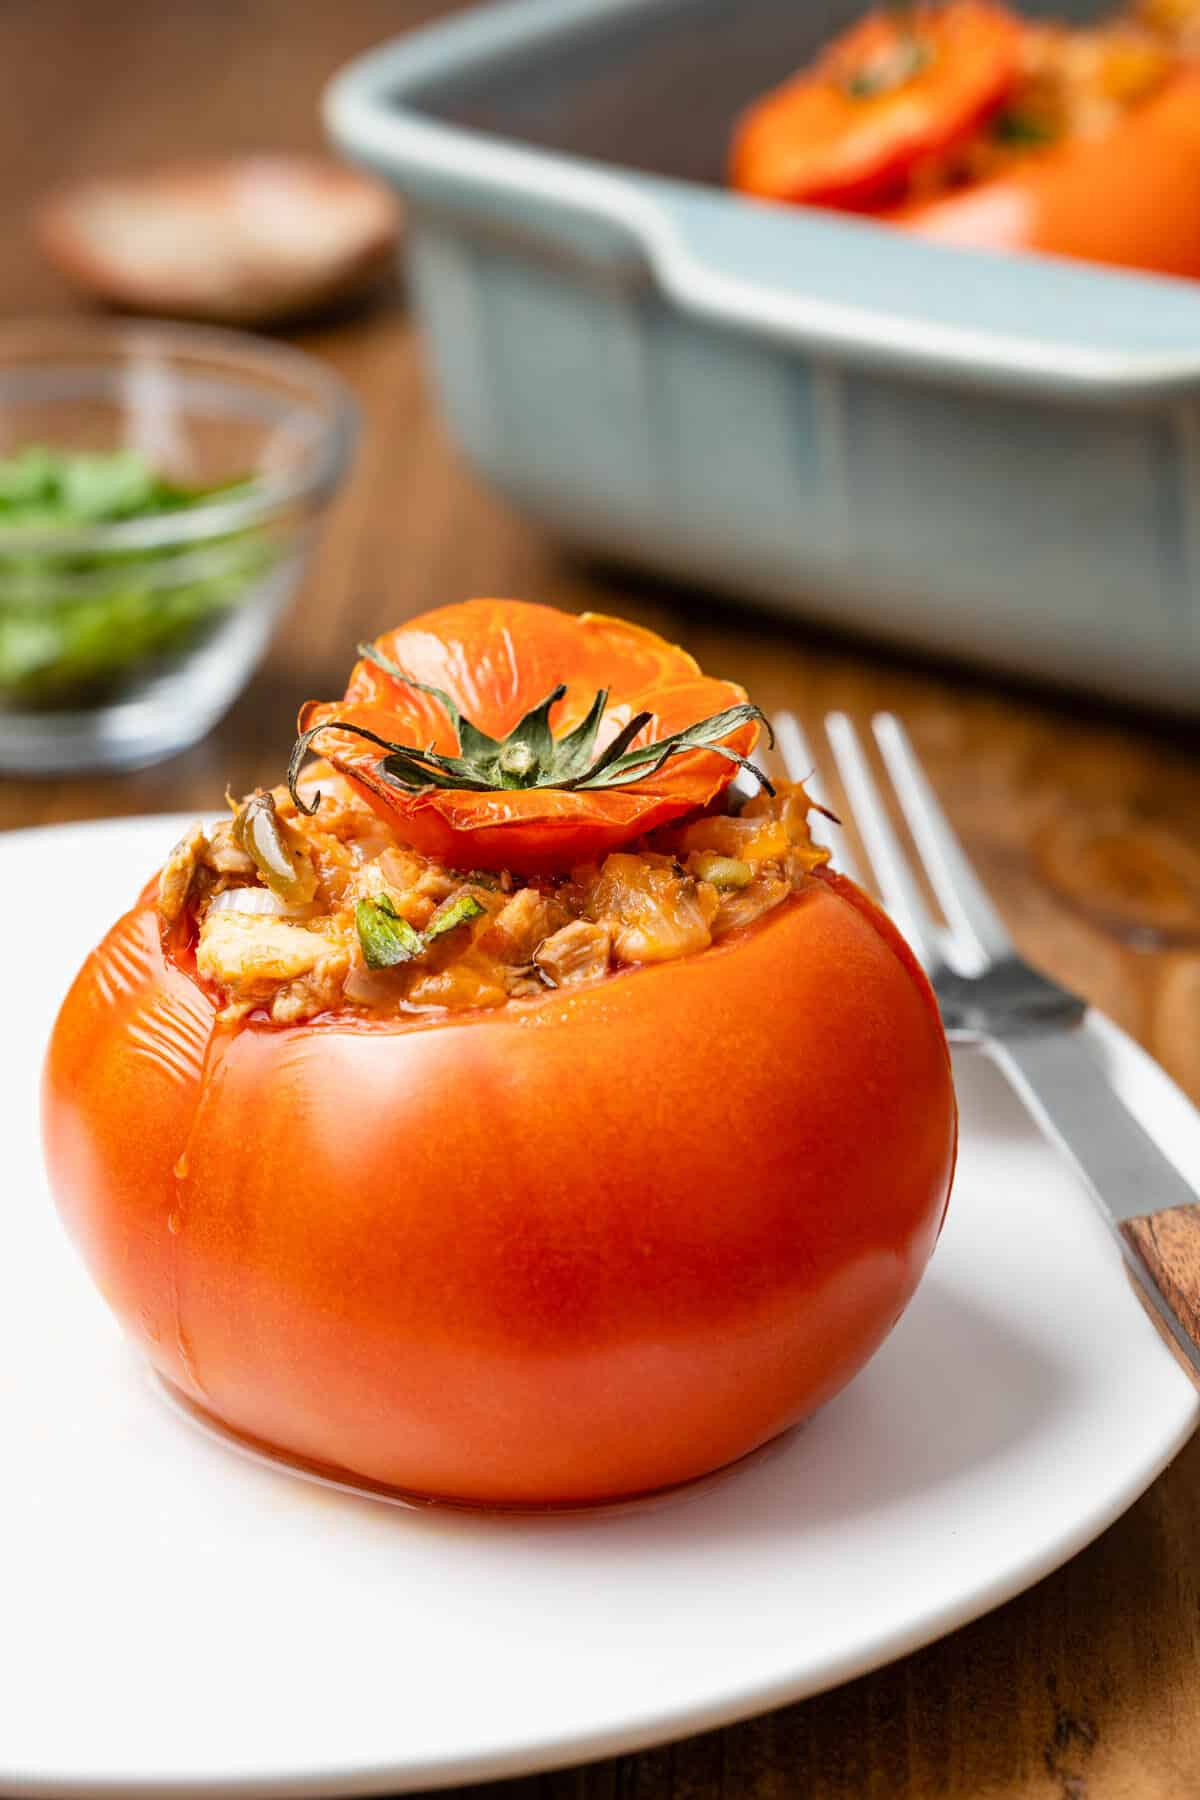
(1006, 570)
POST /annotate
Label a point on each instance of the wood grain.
(1168, 1246)
(1086, 1687)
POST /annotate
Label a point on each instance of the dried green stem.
(531, 756)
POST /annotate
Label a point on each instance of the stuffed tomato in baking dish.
(492, 1110)
(963, 122)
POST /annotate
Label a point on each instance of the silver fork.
(1031, 1025)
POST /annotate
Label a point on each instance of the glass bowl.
(124, 641)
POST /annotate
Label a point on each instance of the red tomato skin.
(1128, 199)
(809, 142)
(587, 1250)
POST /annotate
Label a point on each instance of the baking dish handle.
(851, 289)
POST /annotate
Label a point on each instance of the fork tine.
(799, 765)
(893, 876)
(974, 922)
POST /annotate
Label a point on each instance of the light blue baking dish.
(995, 458)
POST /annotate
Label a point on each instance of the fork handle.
(1155, 1212)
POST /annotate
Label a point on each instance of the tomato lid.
(902, 84)
(498, 734)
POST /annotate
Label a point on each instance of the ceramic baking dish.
(994, 458)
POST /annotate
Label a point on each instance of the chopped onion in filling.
(293, 916)
(257, 900)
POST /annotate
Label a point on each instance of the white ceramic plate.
(178, 1619)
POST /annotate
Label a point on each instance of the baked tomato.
(1125, 197)
(509, 1192)
(544, 716)
(902, 85)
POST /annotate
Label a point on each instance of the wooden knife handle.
(1167, 1245)
(1153, 1208)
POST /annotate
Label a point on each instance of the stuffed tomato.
(967, 123)
(493, 1113)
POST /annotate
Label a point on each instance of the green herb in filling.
(455, 912)
(386, 938)
(1022, 128)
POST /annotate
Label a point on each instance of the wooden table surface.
(1088, 1687)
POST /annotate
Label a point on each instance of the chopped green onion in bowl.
(162, 488)
(79, 627)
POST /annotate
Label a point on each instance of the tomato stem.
(531, 756)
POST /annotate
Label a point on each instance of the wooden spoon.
(240, 240)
